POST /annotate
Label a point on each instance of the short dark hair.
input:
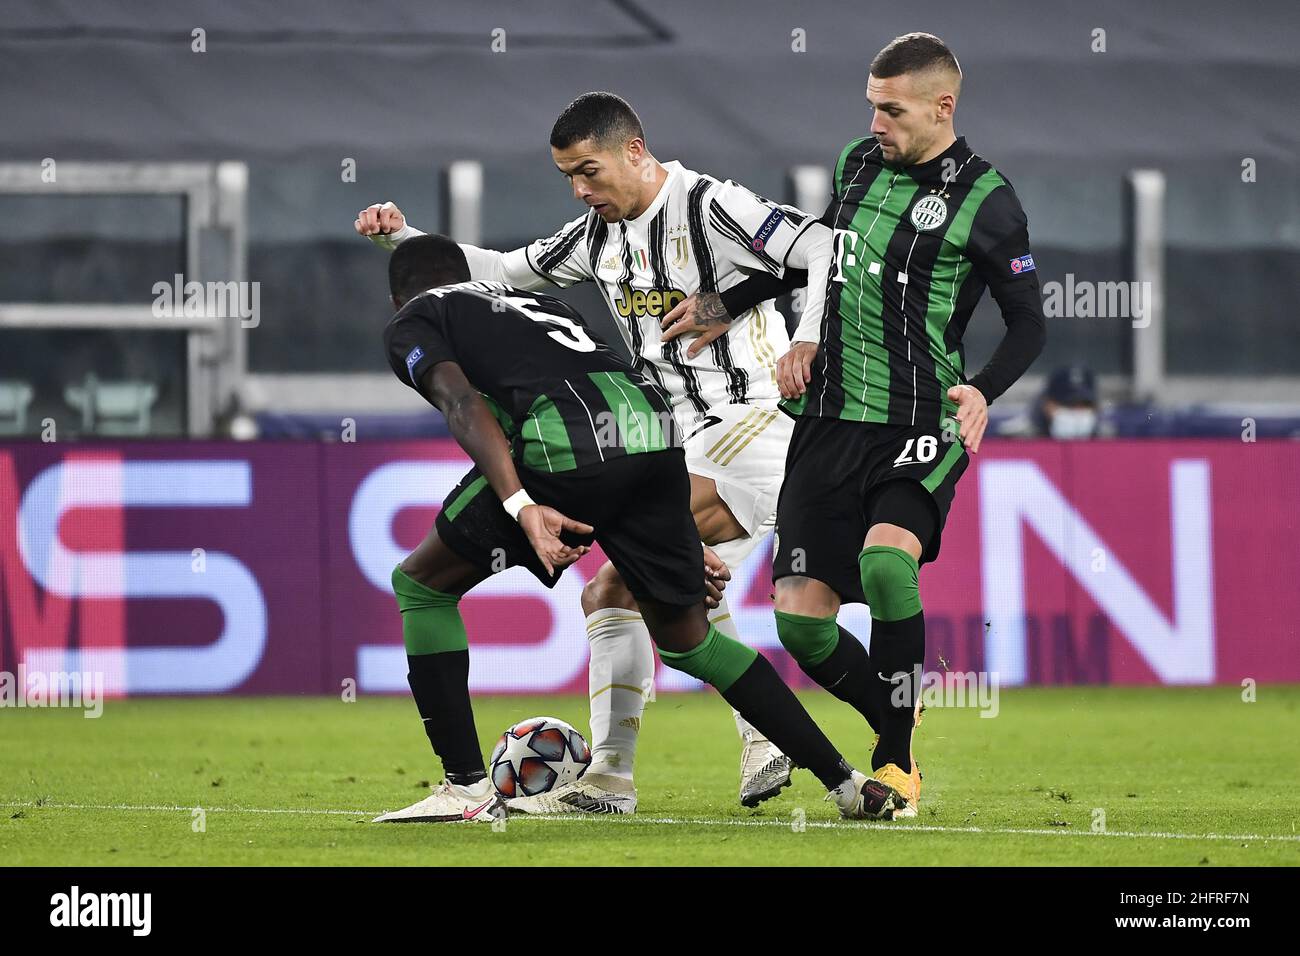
(423, 262)
(606, 119)
(911, 53)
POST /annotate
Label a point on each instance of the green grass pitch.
(1184, 777)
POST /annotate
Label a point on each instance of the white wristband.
(517, 503)
(388, 241)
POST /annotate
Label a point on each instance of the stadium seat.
(113, 408)
(14, 399)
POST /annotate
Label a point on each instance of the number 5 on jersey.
(563, 329)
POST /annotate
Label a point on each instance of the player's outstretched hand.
(701, 314)
(542, 525)
(794, 369)
(379, 219)
(972, 414)
(716, 576)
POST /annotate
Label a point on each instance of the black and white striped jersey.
(699, 235)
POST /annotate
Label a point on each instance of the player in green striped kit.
(886, 415)
(567, 439)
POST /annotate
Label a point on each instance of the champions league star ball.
(537, 755)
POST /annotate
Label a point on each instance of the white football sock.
(720, 617)
(621, 677)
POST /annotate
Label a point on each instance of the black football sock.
(897, 653)
(889, 582)
(750, 684)
(847, 674)
(766, 702)
(440, 685)
(437, 657)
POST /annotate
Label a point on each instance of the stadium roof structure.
(295, 79)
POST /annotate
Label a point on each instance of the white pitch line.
(885, 827)
(687, 821)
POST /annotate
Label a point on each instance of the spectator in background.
(1067, 409)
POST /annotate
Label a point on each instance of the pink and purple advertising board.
(263, 568)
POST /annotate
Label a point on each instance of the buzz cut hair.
(424, 262)
(603, 118)
(915, 53)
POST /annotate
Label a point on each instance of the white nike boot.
(449, 802)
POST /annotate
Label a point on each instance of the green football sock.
(718, 660)
(810, 640)
(431, 621)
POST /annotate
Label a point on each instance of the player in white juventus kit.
(652, 235)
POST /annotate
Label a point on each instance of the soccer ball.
(537, 755)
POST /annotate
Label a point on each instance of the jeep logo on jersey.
(929, 213)
(638, 303)
(765, 231)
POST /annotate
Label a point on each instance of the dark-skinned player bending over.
(570, 445)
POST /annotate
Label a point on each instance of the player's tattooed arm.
(477, 431)
(709, 310)
(701, 314)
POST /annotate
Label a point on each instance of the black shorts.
(640, 506)
(834, 473)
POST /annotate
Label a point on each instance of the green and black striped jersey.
(563, 397)
(915, 247)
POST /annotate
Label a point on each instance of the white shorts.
(742, 448)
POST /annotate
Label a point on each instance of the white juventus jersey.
(699, 235)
